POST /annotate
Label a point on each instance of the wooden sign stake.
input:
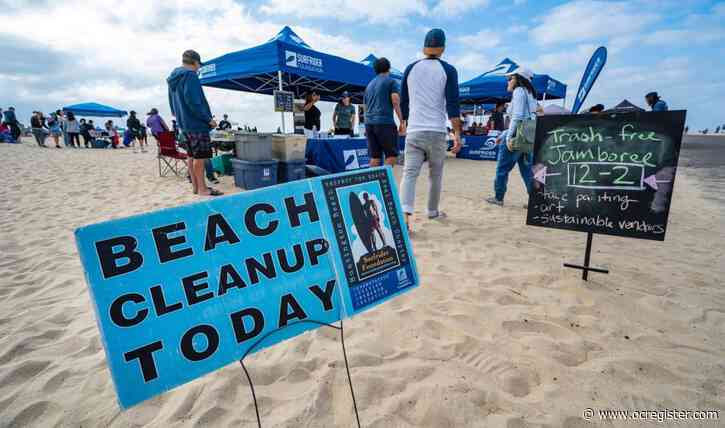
(587, 255)
(344, 354)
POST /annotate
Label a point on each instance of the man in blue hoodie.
(189, 106)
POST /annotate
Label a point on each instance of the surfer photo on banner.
(369, 229)
(370, 208)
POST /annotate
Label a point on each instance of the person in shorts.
(191, 109)
(382, 98)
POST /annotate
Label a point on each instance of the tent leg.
(279, 78)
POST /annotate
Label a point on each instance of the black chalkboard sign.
(284, 101)
(611, 173)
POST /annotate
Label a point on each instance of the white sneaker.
(440, 216)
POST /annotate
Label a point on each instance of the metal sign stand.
(587, 255)
(344, 354)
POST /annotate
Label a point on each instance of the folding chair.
(171, 160)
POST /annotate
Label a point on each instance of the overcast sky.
(56, 53)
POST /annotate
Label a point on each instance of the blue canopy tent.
(490, 87)
(287, 63)
(370, 62)
(94, 110)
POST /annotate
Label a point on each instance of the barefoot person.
(189, 106)
(429, 97)
(382, 97)
(371, 210)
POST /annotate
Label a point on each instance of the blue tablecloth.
(340, 154)
(479, 147)
(346, 154)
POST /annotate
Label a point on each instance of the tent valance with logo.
(94, 110)
(490, 86)
(287, 62)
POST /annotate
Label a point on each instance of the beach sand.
(497, 335)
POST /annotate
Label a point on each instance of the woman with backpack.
(523, 106)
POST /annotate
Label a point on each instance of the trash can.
(254, 174)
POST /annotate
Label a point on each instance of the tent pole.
(279, 78)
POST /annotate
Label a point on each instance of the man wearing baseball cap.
(156, 123)
(191, 109)
(429, 98)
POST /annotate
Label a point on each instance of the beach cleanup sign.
(610, 173)
(184, 291)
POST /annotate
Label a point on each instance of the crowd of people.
(425, 103)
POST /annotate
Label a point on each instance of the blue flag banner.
(184, 291)
(595, 66)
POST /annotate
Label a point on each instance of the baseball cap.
(652, 95)
(153, 111)
(345, 94)
(523, 72)
(435, 38)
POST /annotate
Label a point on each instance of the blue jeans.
(505, 162)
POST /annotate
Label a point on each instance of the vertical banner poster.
(610, 173)
(184, 291)
(594, 67)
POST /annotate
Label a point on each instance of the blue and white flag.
(595, 66)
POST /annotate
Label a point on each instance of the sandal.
(215, 192)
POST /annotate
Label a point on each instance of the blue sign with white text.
(479, 147)
(184, 291)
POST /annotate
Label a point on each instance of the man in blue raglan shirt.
(189, 105)
(429, 98)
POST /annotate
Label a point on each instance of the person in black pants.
(133, 125)
(38, 128)
(73, 130)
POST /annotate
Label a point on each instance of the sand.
(497, 335)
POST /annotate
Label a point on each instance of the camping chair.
(171, 160)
